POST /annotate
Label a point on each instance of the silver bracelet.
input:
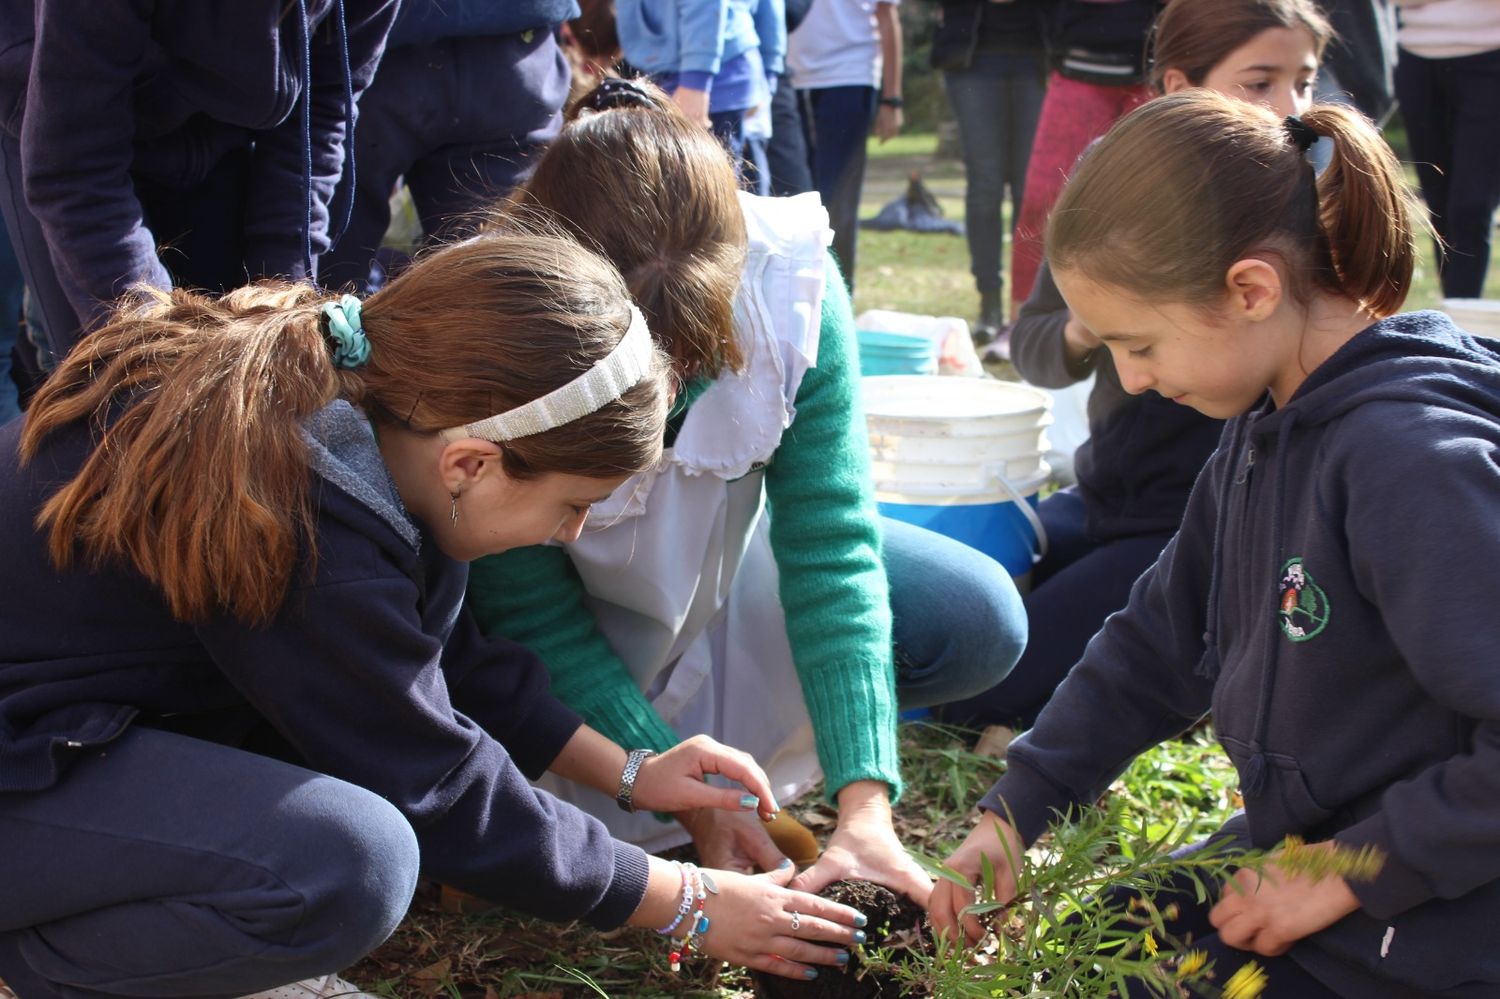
(625, 795)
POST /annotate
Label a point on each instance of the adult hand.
(693, 103)
(1269, 910)
(888, 121)
(734, 841)
(751, 922)
(864, 846)
(673, 781)
(992, 838)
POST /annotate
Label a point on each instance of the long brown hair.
(1194, 36)
(199, 475)
(1189, 183)
(656, 194)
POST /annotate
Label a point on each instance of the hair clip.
(619, 92)
(1301, 133)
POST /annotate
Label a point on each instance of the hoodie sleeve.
(350, 677)
(277, 212)
(770, 27)
(1037, 346)
(700, 35)
(1136, 684)
(1424, 543)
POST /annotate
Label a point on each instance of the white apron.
(678, 562)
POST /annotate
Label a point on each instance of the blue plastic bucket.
(988, 520)
(896, 354)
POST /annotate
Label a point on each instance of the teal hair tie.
(346, 336)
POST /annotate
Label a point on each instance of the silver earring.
(455, 508)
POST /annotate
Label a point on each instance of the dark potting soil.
(895, 921)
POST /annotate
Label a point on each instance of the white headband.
(619, 372)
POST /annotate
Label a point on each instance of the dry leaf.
(429, 980)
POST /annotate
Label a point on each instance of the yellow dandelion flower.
(1246, 983)
(1149, 942)
(1192, 962)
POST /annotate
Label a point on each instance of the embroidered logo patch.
(1304, 606)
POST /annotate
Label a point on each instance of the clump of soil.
(895, 922)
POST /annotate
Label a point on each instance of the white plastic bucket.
(964, 458)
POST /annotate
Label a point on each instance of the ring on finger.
(796, 921)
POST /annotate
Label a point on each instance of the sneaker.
(987, 328)
(328, 987)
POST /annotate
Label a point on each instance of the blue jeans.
(997, 102)
(1081, 582)
(163, 865)
(958, 622)
(838, 120)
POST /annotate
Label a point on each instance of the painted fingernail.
(859, 936)
(785, 863)
(842, 957)
(748, 801)
(810, 974)
(860, 919)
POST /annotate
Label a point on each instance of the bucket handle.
(998, 473)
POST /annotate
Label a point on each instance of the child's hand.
(1266, 912)
(864, 847)
(992, 837)
(734, 841)
(673, 781)
(692, 103)
(751, 923)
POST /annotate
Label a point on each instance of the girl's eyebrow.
(1116, 336)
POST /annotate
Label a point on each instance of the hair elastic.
(1301, 133)
(345, 333)
(619, 372)
(619, 92)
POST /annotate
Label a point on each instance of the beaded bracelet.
(699, 922)
(687, 898)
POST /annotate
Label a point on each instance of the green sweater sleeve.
(534, 596)
(826, 539)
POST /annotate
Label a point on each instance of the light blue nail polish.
(860, 920)
(785, 863)
(748, 801)
(859, 936)
(810, 974)
(842, 957)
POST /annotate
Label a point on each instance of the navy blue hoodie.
(163, 89)
(1331, 596)
(374, 672)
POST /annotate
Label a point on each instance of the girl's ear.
(1255, 288)
(466, 460)
(1174, 80)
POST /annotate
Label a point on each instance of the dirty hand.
(864, 847)
(692, 103)
(673, 781)
(991, 837)
(734, 841)
(757, 922)
(1268, 911)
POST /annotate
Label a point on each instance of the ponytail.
(198, 475)
(1365, 210)
(1187, 184)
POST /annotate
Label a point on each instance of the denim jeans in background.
(957, 620)
(996, 101)
(837, 121)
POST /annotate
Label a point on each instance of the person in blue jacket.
(242, 701)
(468, 95)
(719, 59)
(1330, 594)
(175, 143)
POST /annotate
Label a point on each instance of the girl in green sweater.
(745, 587)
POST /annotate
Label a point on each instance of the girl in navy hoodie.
(241, 699)
(1329, 596)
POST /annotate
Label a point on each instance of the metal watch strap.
(624, 797)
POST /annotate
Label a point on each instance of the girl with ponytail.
(241, 701)
(1329, 594)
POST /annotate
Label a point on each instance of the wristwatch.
(624, 797)
(892, 102)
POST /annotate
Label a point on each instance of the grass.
(1178, 791)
